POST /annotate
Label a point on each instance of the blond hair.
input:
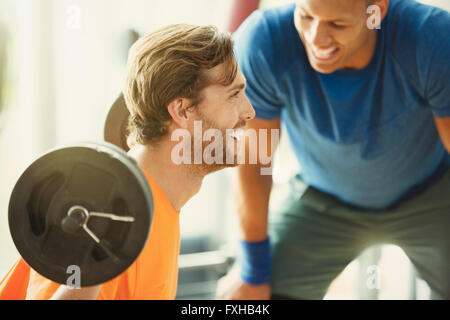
(171, 63)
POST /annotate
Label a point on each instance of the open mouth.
(324, 55)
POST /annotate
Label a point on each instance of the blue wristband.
(255, 262)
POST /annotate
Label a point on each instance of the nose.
(319, 35)
(247, 111)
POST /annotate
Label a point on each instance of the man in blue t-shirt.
(366, 105)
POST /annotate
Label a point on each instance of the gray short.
(314, 237)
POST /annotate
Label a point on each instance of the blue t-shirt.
(365, 136)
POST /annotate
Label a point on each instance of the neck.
(364, 55)
(178, 182)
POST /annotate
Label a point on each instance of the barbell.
(87, 205)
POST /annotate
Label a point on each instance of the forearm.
(252, 188)
(443, 126)
(252, 198)
(85, 293)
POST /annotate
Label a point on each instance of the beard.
(221, 152)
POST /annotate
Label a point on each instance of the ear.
(131, 141)
(384, 7)
(178, 110)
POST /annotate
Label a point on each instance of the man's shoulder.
(412, 26)
(268, 35)
(264, 26)
(278, 15)
(270, 17)
(416, 39)
(159, 197)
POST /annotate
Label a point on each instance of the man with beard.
(176, 76)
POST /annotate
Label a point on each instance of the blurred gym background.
(62, 64)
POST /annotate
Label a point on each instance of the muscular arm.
(85, 293)
(253, 189)
(443, 126)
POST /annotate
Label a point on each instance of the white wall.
(90, 60)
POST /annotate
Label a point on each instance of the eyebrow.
(239, 86)
(333, 20)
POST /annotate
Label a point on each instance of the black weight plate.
(98, 176)
(115, 130)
